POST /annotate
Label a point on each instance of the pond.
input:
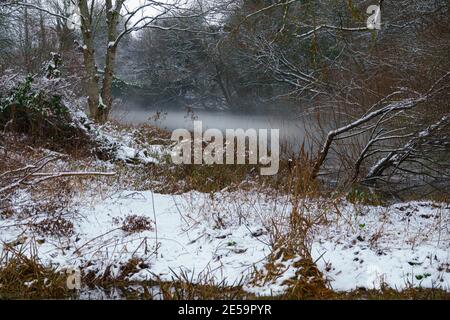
(295, 127)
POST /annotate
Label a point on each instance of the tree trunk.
(92, 87)
(112, 19)
(43, 34)
(225, 91)
(107, 98)
(27, 42)
(100, 101)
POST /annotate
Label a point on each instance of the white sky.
(157, 7)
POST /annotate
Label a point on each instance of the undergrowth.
(25, 277)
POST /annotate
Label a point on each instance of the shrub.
(37, 107)
(32, 111)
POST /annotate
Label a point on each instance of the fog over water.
(294, 127)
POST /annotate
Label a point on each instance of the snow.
(399, 268)
(225, 236)
(401, 245)
(125, 148)
(198, 249)
(278, 285)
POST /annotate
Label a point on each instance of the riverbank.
(155, 230)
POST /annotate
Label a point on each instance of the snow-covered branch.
(391, 110)
(31, 175)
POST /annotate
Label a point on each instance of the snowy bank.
(225, 236)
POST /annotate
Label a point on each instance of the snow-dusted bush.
(42, 108)
(45, 109)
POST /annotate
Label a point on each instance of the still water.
(295, 127)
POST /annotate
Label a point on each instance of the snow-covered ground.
(226, 236)
(400, 245)
(223, 236)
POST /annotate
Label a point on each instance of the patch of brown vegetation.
(135, 224)
(54, 226)
(23, 277)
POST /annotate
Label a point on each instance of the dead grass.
(135, 224)
(392, 294)
(293, 177)
(307, 282)
(54, 226)
(184, 287)
(23, 277)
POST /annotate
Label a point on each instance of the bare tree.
(386, 91)
(132, 18)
